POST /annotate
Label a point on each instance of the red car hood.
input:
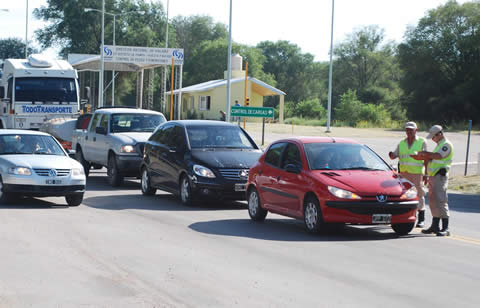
(363, 183)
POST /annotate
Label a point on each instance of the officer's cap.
(435, 129)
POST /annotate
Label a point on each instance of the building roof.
(257, 85)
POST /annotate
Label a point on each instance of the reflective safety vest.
(437, 164)
(408, 164)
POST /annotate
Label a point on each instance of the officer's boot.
(434, 228)
(421, 219)
(444, 231)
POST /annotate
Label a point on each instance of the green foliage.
(192, 115)
(14, 48)
(308, 109)
(349, 108)
(364, 64)
(306, 122)
(441, 61)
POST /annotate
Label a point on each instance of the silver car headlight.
(128, 148)
(342, 193)
(20, 171)
(410, 194)
(203, 171)
(78, 171)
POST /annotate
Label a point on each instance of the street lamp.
(26, 30)
(114, 23)
(330, 74)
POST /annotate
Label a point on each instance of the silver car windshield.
(218, 137)
(342, 156)
(29, 144)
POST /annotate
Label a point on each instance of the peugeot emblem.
(381, 198)
(52, 173)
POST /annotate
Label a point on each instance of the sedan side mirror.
(293, 168)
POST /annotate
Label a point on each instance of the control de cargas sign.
(258, 112)
(46, 109)
(143, 55)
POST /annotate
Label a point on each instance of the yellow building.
(208, 99)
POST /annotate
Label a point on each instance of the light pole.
(26, 30)
(229, 62)
(114, 23)
(330, 74)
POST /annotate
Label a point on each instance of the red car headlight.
(342, 193)
(410, 194)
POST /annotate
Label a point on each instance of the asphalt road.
(121, 249)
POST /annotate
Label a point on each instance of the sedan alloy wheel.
(255, 210)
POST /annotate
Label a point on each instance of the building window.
(204, 103)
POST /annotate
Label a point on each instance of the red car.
(329, 180)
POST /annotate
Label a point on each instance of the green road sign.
(258, 112)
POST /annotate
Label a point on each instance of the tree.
(14, 48)
(369, 67)
(294, 71)
(441, 60)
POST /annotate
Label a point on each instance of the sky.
(306, 23)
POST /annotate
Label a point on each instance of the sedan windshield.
(218, 137)
(122, 123)
(342, 156)
(29, 144)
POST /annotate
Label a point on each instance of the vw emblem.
(243, 173)
(381, 198)
(52, 173)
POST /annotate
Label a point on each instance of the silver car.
(34, 164)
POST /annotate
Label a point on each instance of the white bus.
(36, 90)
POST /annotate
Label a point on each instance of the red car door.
(267, 175)
(290, 182)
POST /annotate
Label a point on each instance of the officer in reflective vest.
(410, 168)
(439, 162)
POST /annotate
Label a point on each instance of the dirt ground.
(466, 184)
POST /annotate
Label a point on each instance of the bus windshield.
(45, 89)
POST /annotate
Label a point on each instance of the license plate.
(381, 218)
(53, 182)
(240, 187)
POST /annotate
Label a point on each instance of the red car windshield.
(342, 156)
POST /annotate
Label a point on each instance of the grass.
(466, 184)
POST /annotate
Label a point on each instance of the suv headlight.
(128, 148)
(20, 171)
(410, 194)
(342, 193)
(78, 171)
(203, 171)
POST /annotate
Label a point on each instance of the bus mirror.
(2, 92)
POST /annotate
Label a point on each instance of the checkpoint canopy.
(128, 59)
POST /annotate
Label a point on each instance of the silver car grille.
(234, 174)
(46, 172)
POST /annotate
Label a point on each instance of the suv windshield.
(218, 137)
(135, 122)
(29, 144)
(342, 156)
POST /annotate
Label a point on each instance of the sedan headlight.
(20, 171)
(78, 171)
(127, 149)
(342, 193)
(203, 171)
(410, 194)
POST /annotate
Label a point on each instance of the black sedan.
(198, 159)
